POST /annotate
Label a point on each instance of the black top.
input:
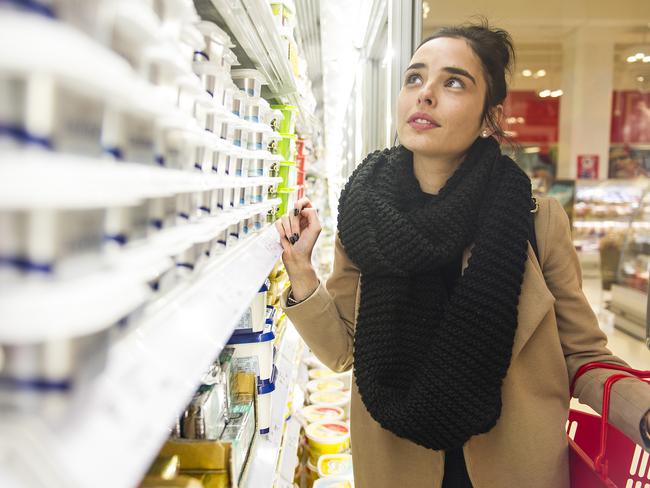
(456, 475)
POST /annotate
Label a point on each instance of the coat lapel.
(535, 300)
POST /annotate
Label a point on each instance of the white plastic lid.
(240, 74)
(333, 397)
(324, 384)
(210, 29)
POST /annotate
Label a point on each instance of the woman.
(465, 337)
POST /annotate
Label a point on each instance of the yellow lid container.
(319, 373)
(335, 465)
(319, 413)
(324, 384)
(328, 437)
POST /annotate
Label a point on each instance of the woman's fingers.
(286, 227)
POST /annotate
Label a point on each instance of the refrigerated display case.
(630, 291)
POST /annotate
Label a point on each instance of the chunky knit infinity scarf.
(429, 367)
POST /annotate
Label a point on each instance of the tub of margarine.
(335, 465)
(317, 413)
(324, 384)
(327, 437)
(333, 482)
(334, 398)
(320, 373)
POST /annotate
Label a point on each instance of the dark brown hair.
(495, 49)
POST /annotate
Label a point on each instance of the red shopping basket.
(599, 454)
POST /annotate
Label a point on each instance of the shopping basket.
(599, 454)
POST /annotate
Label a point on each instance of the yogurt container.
(258, 345)
(324, 384)
(334, 482)
(318, 413)
(249, 80)
(333, 398)
(337, 465)
(217, 43)
(265, 389)
(328, 437)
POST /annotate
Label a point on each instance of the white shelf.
(125, 415)
(261, 468)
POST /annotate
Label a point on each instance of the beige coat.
(557, 332)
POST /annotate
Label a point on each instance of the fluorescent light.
(639, 55)
(532, 150)
(541, 73)
(511, 120)
(631, 59)
(545, 93)
(646, 59)
(527, 73)
(556, 93)
(520, 120)
(640, 79)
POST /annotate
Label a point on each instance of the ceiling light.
(541, 73)
(646, 59)
(532, 150)
(527, 73)
(520, 120)
(640, 79)
(556, 93)
(639, 55)
(631, 59)
(511, 120)
(425, 9)
(545, 93)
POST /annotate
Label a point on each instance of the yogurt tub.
(335, 465)
(161, 211)
(239, 103)
(221, 158)
(214, 79)
(127, 223)
(257, 345)
(318, 373)
(216, 42)
(176, 144)
(317, 413)
(249, 80)
(334, 398)
(334, 482)
(254, 110)
(191, 94)
(327, 437)
(324, 384)
(263, 412)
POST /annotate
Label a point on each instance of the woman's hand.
(299, 231)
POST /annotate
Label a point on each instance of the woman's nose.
(426, 96)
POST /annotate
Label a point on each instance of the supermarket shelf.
(252, 24)
(263, 459)
(116, 430)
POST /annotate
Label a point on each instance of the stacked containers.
(287, 149)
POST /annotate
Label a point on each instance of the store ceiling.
(540, 30)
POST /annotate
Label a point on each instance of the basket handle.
(600, 462)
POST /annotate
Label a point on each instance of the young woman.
(463, 337)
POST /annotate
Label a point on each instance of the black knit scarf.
(429, 366)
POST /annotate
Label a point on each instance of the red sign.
(588, 166)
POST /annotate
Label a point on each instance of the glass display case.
(630, 291)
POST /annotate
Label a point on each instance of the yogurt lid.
(324, 384)
(333, 482)
(334, 397)
(319, 413)
(335, 465)
(320, 373)
(328, 431)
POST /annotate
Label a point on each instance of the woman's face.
(440, 104)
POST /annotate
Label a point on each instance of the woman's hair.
(495, 50)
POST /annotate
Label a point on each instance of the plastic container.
(258, 345)
(335, 465)
(272, 165)
(317, 413)
(288, 123)
(265, 389)
(288, 197)
(255, 110)
(217, 43)
(213, 79)
(239, 103)
(258, 136)
(334, 398)
(287, 147)
(318, 373)
(333, 482)
(324, 384)
(287, 171)
(328, 437)
(249, 80)
(270, 142)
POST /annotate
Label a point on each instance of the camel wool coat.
(557, 332)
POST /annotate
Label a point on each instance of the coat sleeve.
(326, 319)
(581, 337)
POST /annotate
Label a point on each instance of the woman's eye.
(412, 79)
(455, 83)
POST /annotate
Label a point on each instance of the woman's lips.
(420, 121)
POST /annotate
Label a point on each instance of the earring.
(484, 134)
